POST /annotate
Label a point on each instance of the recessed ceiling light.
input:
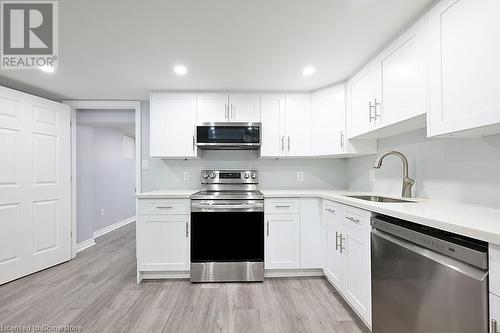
(47, 69)
(180, 70)
(308, 71)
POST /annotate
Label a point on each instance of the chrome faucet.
(407, 181)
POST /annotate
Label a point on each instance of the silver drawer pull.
(282, 206)
(337, 237)
(494, 328)
(330, 210)
(164, 207)
(352, 219)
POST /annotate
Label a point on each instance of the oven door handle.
(227, 208)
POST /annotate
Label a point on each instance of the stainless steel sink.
(379, 199)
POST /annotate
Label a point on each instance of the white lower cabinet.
(282, 244)
(494, 312)
(347, 246)
(311, 247)
(163, 239)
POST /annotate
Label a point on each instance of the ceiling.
(120, 49)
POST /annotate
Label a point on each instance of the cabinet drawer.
(163, 206)
(495, 269)
(357, 219)
(330, 207)
(282, 206)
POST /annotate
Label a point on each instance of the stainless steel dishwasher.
(425, 280)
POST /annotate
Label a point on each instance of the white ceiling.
(120, 49)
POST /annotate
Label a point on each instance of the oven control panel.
(229, 177)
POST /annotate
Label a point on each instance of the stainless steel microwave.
(228, 136)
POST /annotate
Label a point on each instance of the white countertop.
(180, 194)
(474, 221)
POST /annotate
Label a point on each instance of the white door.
(364, 89)
(244, 107)
(404, 73)
(273, 125)
(356, 248)
(464, 65)
(328, 121)
(298, 120)
(172, 125)
(495, 309)
(165, 243)
(212, 108)
(335, 260)
(282, 245)
(35, 196)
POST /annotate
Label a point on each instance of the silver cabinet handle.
(282, 206)
(187, 229)
(352, 219)
(267, 229)
(330, 210)
(337, 236)
(226, 111)
(494, 328)
(194, 145)
(164, 207)
(341, 139)
(370, 108)
(342, 239)
(375, 105)
(289, 143)
(282, 142)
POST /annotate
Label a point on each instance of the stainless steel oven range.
(227, 227)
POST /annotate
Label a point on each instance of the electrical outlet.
(187, 176)
(145, 164)
(371, 176)
(300, 176)
(101, 211)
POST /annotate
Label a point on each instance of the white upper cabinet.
(273, 125)
(298, 131)
(213, 108)
(365, 95)
(464, 68)
(244, 107)
(404, 77)
(172, 125)
(328, 121)
(389, 96)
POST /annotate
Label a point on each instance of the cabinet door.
(404, 77)
(244, 107)
(358, 270)
(364, 89)
(335, 260)
(298, 132)
(212, 108)
(495, 310)
(282, 246)
(172, 125)
(273, 125)
(165, 242)
(464, 66)
(328, 121)
(311, 254)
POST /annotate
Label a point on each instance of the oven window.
(227, 236)
(228, 134)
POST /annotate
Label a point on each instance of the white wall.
(274, 174)
(460, 170)
(106, 180)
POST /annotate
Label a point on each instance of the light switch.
(187, 176)
(371, 176)
(145, 164)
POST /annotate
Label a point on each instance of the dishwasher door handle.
(462, 267)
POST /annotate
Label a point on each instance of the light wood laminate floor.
(97, 292)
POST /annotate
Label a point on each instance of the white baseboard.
(114, 226)
(278, 273)
(85, 245)
(164, 275)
